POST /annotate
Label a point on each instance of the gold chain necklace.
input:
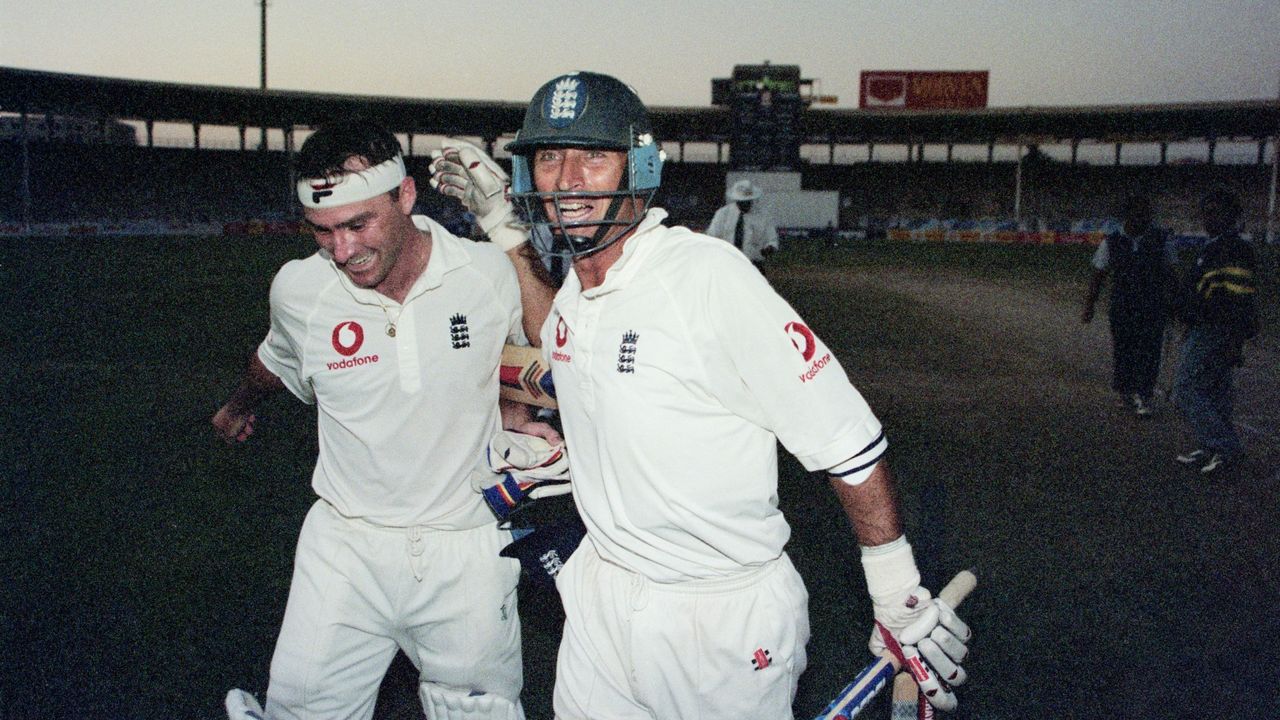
(391, 324)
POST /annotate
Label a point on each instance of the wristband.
(500, 214)
(890, 570)
(507, 235)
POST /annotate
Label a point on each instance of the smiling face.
(566, 171)
(368, 239)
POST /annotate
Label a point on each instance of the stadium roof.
(38, 92)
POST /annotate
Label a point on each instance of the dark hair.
(1223, 196)
(328, 149)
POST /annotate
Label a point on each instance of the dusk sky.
(1038, 52)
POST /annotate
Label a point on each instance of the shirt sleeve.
(770, 233)
(790, 382)
(509, 290)
(1170, 250)
(1102, 256)
(716, 228)
(281, 351)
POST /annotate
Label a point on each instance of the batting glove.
(528, 456)
(462, 170)
(507, 493)
(523, 468)
(923, 632)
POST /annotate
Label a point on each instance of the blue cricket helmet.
(585, 110)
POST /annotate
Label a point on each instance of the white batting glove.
(527, 456)
(464, 171)
(924, 633)
(522, 468)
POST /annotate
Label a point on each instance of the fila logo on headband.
(351, 187)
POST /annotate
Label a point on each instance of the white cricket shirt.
(675, 379)
(402, 421)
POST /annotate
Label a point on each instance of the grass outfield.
(146, 565)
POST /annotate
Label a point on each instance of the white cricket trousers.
(725, 649)
(362, 591)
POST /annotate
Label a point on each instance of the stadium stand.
(1055, 196)
(71, 177)
(73, 182)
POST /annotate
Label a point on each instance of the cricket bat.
(908, 702)
(524, 377)
(875, 676)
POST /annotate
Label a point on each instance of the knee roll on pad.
(442, 702)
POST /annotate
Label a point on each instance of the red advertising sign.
(923, 90)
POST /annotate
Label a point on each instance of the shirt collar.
(447, 254)
(634, 250)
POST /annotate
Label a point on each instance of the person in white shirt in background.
(745, 224)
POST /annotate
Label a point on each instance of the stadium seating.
(72, 182)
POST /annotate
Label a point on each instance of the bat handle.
(959, 588)
(908, 701)
(875, 676)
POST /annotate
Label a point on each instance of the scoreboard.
(766, 104)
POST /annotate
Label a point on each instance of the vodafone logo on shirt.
(347, 337)
(805, 342)
(562, 337)
(802, 337)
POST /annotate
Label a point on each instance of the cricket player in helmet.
(678, 369)
(586, 111)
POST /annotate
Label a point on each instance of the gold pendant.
(391, 330)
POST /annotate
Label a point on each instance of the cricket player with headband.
(677, 369)
(394, 330)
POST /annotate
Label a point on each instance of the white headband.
(351, 187)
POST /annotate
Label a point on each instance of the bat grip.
(875, 676)
(959, 588)
(908, 701)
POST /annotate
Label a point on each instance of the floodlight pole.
(1271, 200)
(263, 54)
(1017, 190)
(26, 173)
(1275, 165)
(262, 84)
